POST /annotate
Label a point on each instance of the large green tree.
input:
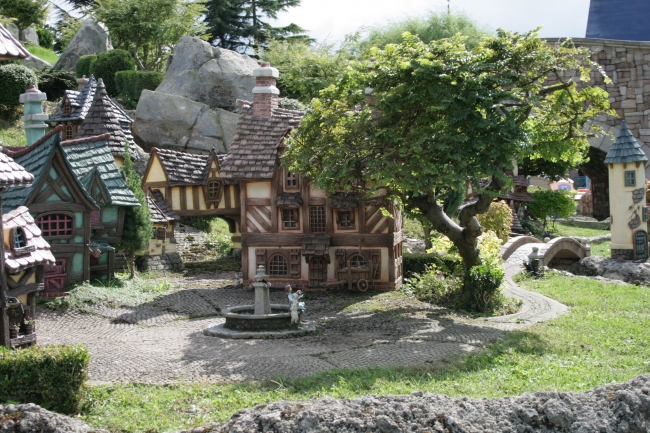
(137, 220)
(244, 24)
(425, 118)
(25, 12)
(149, 28)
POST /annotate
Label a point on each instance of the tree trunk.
(132, 264)
(426, 228)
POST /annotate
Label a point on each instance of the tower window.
(291, 181)
(214, 190)
(317, 219)
(290, 218)
(630, 178)
(19, 238)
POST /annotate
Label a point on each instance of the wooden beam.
(27, 288)
(209, 212)
(259, 202)
(336, 240)
(86, 253)
(67, 248)
(242, 211)
(57, 206)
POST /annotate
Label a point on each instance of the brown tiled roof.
(317, 245)
(184, 168)
(40, 254)
(10, 48)
(13, 174)
(102, 118)
(517, 196)
(520, 180)
(254, 150)
(516, 224)
(289, 200)
(15, 151)
(161, 211)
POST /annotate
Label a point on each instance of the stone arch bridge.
(557, 250)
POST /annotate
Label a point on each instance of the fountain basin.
(242, 318)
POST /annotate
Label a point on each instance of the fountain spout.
(262, 296)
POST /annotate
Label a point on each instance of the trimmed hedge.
(83, 65)
(45, 38)
(50, 376)
(108, 63)
(55, 83)
(130, 84)
(417, 263)
(14, 81)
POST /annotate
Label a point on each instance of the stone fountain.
(261, 319)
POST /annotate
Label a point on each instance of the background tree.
(431, 27)
(148, 29)
(244, 24)
(137, 220)
(441, 115)
(25, 12)
(549, 203)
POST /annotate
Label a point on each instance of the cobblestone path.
(163, 342)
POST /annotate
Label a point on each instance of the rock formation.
(29, 36)
(31, 418)
(192, 107)
(623, 270)
(91, 38)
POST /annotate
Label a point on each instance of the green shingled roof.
(86, 156)
(626, 148)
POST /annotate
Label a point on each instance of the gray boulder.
(213, 76)
(165, 120)
(32, 418)
(29, 36)
(36, 63)
(91, 38)
(13, 29)
(624, 270)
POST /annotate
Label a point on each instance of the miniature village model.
(301, 235)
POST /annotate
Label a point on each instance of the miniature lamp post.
(627, 200)
(34, 117)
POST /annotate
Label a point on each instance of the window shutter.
(375, 260)
(260, 254)
(161, 234)
(294, 255)
(340, 257)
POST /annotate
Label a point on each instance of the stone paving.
(163, 342)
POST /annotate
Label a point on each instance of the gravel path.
(163, 342)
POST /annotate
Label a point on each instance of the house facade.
(304, 236)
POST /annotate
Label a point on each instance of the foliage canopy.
(549, 203)
(25, 12)
(440, 115)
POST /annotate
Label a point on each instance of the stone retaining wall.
(169, 262)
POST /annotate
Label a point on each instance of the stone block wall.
(169, 262)
(624, 254)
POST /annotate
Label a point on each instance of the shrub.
(83, 65)
(437, 285)
(45, 38)
(480, 290)
(55, 83)
(497, 219)
(549, 203)
(291, 104)
(107, 64)
(50, 376)
(14, 81)
(130, 84)
(418, 263)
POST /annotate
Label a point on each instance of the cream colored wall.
(155, 173)
(119, 161)
(620, 200)
(258, 190)
(316, 193)
(176, 198)
(17, 277)
(156, 245)
(189, 198)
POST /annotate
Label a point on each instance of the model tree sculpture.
(426, 119)
(137, 220)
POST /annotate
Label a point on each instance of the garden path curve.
(163, 342)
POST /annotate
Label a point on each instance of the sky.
(333, 19)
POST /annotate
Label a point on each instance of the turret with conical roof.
(627, 200)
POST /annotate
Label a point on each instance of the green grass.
(565, 230)
(12, 133)
(116, 293)
(43, 53)
(601, 249)
(603, 339)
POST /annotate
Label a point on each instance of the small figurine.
(294, 302)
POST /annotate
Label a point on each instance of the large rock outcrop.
(171, 121)
(29, 36)
(613, 269)
(192, 109)
(29, 417)
(91, 38)
(619, 408)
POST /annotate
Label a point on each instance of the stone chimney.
(81, 83)
(265, 94)
(34, 116)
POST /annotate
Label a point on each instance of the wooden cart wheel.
(362, 285)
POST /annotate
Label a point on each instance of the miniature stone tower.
(34, 116)
(627, 201)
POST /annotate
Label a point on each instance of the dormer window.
(19, 244)
(19, 238)
(69, 134)
(66, 107)
(213, 191)
(290, 181)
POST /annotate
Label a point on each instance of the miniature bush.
(436, 285)
(83, 65)
(551, 204)
(418, 263)
(108, 63)
(50, 376)
(481, 289)
(497, 219)
(14, 81)
(55, 83)
(130, 84)
(45, 38)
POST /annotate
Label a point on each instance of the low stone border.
(219, 330)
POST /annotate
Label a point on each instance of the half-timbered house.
(25, 255)
(164, 220)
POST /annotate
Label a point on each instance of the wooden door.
(56, 275)
(640, 245)
(317, 272)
